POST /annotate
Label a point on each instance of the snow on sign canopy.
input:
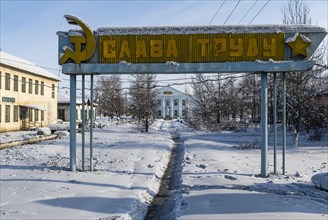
(193, 44)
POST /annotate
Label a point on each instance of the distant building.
(64, 109)
(172, 103)
(28, 94)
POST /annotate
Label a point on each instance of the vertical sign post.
(91, 122)
(284, 123)
(72, 122)
(264, 123)
(275, 123)
(83, 122)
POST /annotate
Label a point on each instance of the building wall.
(15, 97)
(64, 110)
(172, 103)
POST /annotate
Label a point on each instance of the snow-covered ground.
(219, 181)
(35, 182)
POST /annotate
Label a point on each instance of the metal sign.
(190, 48)
(202, 49)
(8, 99)
(275, 48)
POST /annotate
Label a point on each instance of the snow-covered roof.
(22, 64)
(211, 29)
(174, 91)
(65, 99)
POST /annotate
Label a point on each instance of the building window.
(36, 115)
(175, 102)
(61, 114)
(7, 81)
(15, 113)
(36, 87)
(23, 84)
(42, 88)
(87, 114)
(183, 113)
(7, 115)
(183, 102)
(159, 113)
(175, 113)
(167, 102)
(159, 102)
(15, 83)
(53, 91)
(30, 115)
(42, 115)
(30, 84)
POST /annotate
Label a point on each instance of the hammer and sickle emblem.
(89, 41)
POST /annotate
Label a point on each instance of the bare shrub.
(249, 145)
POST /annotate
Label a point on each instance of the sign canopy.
(193, 49)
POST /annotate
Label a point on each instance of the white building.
(172, 103)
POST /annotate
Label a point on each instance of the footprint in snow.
(230, 177)
(150, 166)
(201, 166)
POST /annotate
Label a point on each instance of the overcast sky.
(28, 28)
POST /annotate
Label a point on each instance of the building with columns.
(172, 103)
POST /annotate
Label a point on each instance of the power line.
(217, 12)
(259, 11)
(232, 11)
(248, 11)
(229, 76)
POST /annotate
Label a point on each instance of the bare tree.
(302, 87)
(250, 91)
(110, 95)
(205, 102)
(217, 101)
(296, 12)
(143, 97)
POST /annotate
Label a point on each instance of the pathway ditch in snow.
(167, 199)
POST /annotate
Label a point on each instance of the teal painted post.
(275, 123)
(284, 123)
(72, 120)
(83, 122)
(91, 123)
(264, 123)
